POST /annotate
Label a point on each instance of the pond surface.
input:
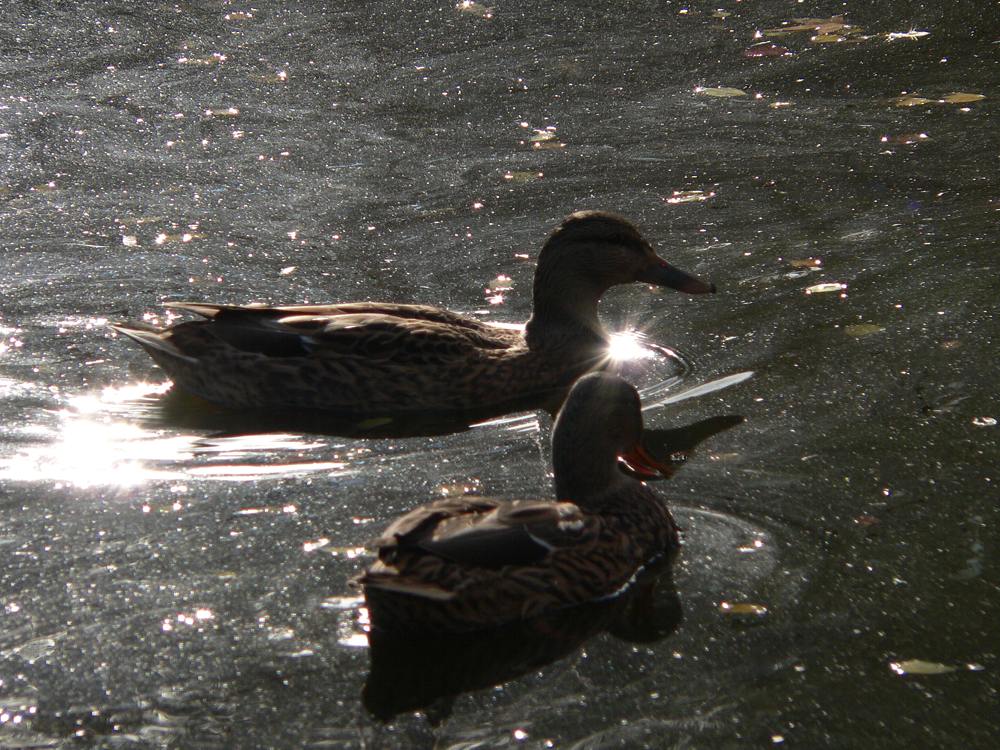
(170, 583)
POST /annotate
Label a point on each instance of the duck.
(385, 360)
(463, 564)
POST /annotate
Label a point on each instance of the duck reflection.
(428, 672)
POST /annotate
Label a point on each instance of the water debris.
(826, 288)
(767, 49)
(742, 609)
(892, 36)
(962, 97)
(862, 329)
(471, 486)
(689, 196)
(956, 97)
(805, 262)
(721, 92)
(919, 666)
(985, 421)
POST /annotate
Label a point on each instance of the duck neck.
(564, 311)
(585, 472)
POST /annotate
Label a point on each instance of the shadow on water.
(427, 673)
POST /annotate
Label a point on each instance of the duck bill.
(639, 463)
(664, 274)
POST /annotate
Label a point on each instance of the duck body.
(370, 359)
(363, 359)
(465, 564)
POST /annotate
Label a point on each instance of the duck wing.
(487, 534)
(370, 330)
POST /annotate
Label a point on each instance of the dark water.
(165, 585)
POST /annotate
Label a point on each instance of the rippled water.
(171, 579)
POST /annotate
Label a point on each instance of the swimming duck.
(372, 359)
(463, 564)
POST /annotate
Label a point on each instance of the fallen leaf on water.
(834, 286)
(766, 49)
(894, 35)
(719, 91)
(540, 136)
(689, 196)
(919, 666)
(912, 101)
(862, 329)
(805, 263)
(742, 608)
(962, 97)
(827, 38)
(472, 486)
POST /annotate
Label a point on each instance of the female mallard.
(371, 359)
(467, 563)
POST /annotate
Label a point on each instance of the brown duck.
(372, 359)
(464, 564)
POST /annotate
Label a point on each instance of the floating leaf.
(689, 196)
(894, 35)
(540, 136)
(827, 38)
(912, 101)
(742, 608)
(862, 329)
(766, 49)
(961, 97)
(919, 666)
(720, 91)
(805, 263)
(834, 286)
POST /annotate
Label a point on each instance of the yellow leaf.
(720, 91)
(805, 263)
(835, 286)
(961, 97)
(826, 38)
(912, 101)
(742, 608)
(919, 666)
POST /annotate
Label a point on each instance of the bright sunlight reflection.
(628, 345)
(101, 440)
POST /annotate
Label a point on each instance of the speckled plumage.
(469, 563)
(370, 359)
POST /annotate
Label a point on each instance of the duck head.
(598, 429)
(590, 252)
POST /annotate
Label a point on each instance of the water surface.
(167, 584)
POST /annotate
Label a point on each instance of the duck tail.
(154, 341)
